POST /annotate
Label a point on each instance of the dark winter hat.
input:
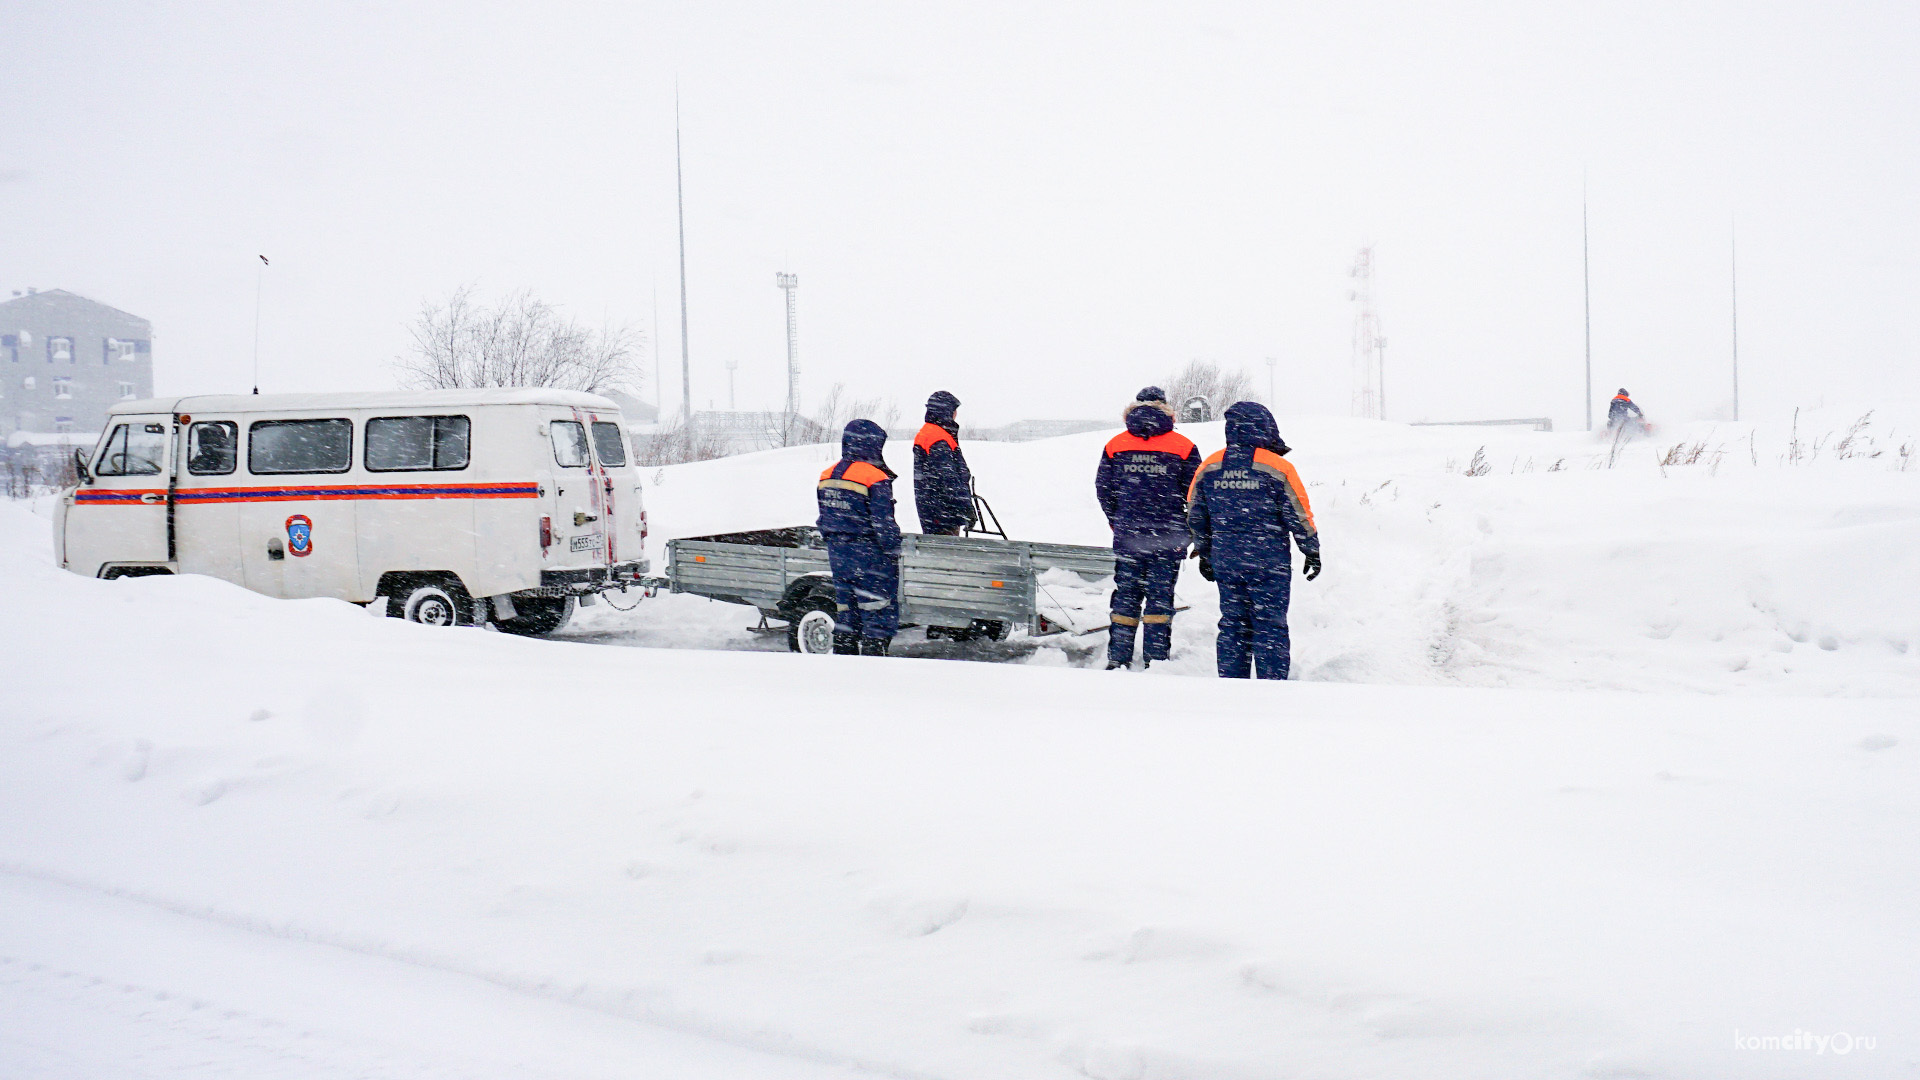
(941, 407)
(866, 441)
(1250, 423)
(1623, 392)
(1151, 393)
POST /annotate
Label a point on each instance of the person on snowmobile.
(1623, 412)
(1245, 502)
(863, 542)
(1142, 484)
(942, 485)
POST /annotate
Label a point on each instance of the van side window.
(569, 444)
(133, 450)
(607, 444)
(299, 446)
(213, 447)
(417, 443)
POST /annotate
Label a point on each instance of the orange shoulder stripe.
(1292, 476)
(1217, 458)
(931, 435)
(861, 472)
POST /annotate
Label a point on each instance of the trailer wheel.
(537, 615)
(433, 604)
(812, 633)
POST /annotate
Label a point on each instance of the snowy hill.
(286, 839)
(1568, 565)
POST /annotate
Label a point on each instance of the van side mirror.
(80, 466)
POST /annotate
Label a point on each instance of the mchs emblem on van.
(584, 542)
(299, 535)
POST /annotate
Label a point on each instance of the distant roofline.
(64, 292)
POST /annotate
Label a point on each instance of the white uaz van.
(454, 506)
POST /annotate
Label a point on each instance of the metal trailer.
(958, 587)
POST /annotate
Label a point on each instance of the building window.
(123, 349)
(59, 349)
(62, 425)
(126, 391)
(10, 344)
(28, 383)
(62, 386)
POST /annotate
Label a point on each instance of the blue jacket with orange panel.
(1143, 480)
(856, 494)
(942, 485)
(1247, 499)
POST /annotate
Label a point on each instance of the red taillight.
(643, 524)
(546, 533)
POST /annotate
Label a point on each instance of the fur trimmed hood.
(1145, 419)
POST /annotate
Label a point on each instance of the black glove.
(1312, 569)
(1206, 568)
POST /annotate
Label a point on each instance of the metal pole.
(1273, 398)
(659, 388)
(789, 284)
(1586, 294)
(259, 284)
(680, 193)
(1733, 279)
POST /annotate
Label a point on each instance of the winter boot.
(846, 644)
(1116, 665)
(874, 646)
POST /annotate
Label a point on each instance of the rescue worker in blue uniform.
(863, 542)
(1622, 411)
(1142, 483)
(942, 486)
(1245, 502)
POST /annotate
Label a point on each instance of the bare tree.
(521, 341)
(1204, 379)
(678, 445)
(837, 409)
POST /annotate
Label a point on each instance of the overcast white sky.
(1039, 207)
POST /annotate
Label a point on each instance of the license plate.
(584, 542)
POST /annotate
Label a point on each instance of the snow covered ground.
(1597, 772)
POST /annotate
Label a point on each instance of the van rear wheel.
(433, 604)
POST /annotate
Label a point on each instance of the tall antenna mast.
(259, 284)
(1586, 296)
(680, 193)
(659, 388)
(1369, 347)
(789, 284)
(1733, 279)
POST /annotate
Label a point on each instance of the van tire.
(537, 615)
(432, 603)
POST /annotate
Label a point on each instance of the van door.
(121, 516)
(579, 526)
(298, 526)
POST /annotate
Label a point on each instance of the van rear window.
(569, 444)
(299, 446)
(416, 443)
(607, 444)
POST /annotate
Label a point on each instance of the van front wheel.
(431, 605)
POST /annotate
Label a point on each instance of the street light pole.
(789, 284)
